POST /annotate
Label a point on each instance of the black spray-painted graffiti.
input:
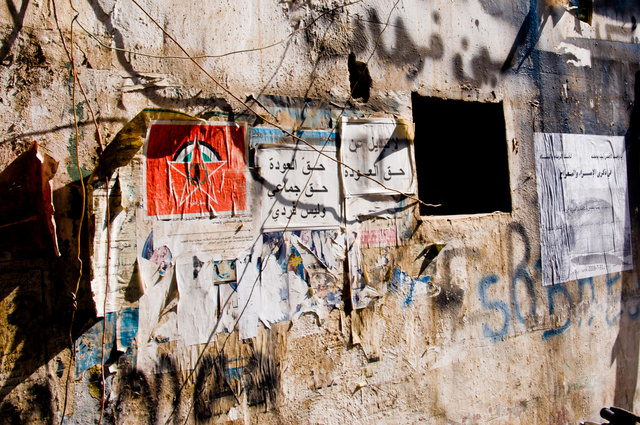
(219, 386)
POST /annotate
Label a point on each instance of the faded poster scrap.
(270, 135)
(89, 348)
(194, 169)
(114, 256)
(197, 311)
(323, 255)
(214, 238)
(362, 291)
(584, 208)
(127, 327)
(301, 187)
(248, 288)
(380, 152)
(160, 256)
(291, 282)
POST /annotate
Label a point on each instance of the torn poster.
(377, 156)
(157, 318)
(323, 253)
(286, 289)
(248, 288)
(583, 203)
(220, 238)
(89, 348)
(114, 256)
(197, 310)
(300, 187)
(408, 287)
(158, 255)
(228, 310)
(272, 136)
(362, 289)
(194, 169)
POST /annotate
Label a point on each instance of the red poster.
(195, 169)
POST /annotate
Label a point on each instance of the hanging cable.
(78, 84)
(221, 55)
(278, 242)
(269, 121)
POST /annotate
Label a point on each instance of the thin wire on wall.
(74, 294)
(269, 121)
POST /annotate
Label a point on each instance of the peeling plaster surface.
(456, 326)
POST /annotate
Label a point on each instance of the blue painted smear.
(612, 321)
(89, 345)
(400, 279)
(234, 373)
(128, 327)
(262, 135)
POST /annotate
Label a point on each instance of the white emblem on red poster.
(195, 169)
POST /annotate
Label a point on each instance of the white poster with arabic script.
(300, 187)
(584, 208)
(377, 156)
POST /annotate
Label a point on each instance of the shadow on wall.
(620, 10)
(36, 286)
(18, 18)
(626, 348)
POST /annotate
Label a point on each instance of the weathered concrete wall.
(483, 342)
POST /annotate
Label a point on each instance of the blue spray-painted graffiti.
(400, 280)
(484, 284)
(552, 291)
(127, 327)
(557, 295)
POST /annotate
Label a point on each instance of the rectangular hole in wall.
(461, 156)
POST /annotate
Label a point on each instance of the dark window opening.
(461, 156)
(359, 78)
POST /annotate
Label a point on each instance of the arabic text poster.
(194, 169)
(377, 154)
(584, 209)
(300, 187)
